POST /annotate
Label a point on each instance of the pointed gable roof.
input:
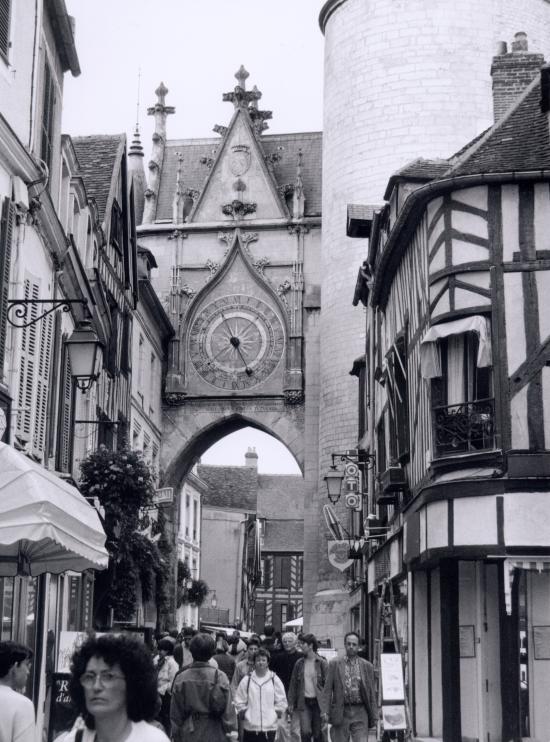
(98, 157)
(259, 185)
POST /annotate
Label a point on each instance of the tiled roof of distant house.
(98, 158)
(229, 487)
(283, 535)
(280, 496)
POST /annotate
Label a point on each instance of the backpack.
(217, 700)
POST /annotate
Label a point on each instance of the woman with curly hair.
(114, 686)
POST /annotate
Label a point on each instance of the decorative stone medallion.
(239, 161)
(236, 342)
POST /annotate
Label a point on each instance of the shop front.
(479, 618)
(51, 540)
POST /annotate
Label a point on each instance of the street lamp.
(85, 355)
(333, 479)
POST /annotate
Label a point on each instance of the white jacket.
(260, 698)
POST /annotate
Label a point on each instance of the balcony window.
(462, 392)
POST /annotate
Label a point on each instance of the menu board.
(391, 667)
(62, 711)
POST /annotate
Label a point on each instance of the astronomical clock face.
(236, 342)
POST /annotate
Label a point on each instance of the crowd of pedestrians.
(197, 688)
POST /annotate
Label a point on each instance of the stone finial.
(161, 92)
(241, 74)
(135, 147)
(256, 98)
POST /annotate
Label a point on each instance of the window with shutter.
(48, 109)
(6, 236)
(25, 400)
(64, 444)
(5, 8)
(43, 365)
(281, 575)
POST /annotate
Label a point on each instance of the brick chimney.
(251, 458)
(512, 72)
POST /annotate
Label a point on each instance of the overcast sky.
(195, 48)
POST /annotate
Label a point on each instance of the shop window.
(281, 572)
(5, 8)
(7, 607)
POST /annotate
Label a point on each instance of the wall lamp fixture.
(85, 355)
(356, 463)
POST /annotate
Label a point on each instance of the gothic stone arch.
(190, 429)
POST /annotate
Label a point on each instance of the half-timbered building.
(456, 409)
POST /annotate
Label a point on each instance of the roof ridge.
(478, 142)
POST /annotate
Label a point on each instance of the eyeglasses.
(106, 679)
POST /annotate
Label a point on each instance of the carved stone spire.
(160, 111)
(240, 96)
(298, 199)
(179, 198)
(137, 174)
(135, 147)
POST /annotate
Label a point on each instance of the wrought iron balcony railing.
(464, 428)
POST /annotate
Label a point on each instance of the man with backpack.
(201, 709)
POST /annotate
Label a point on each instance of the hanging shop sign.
(338, 554)
(164, 496)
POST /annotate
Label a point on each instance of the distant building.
(255, 523)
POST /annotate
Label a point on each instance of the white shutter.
(27, 365)
(43, 363)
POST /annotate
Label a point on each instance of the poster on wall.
(69, 641)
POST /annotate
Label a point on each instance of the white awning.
(46, 525)
(298, 622)
(535, 564)
(430, 357)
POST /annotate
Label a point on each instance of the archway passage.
(273, 456)
(247, 544)
(190, 430)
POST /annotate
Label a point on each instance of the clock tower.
(234, 223)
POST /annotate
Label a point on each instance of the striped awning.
(533, 564)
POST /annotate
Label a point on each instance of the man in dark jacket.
(191, 713)
(225, 661)
(306, 686)
(348, 700)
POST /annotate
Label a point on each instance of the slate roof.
(280, 496)
(283, 535)
(195, 174)
(518, 141)
(229, 487)
(98, 158)
(418, 170)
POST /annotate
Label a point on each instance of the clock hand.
(236, 343)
